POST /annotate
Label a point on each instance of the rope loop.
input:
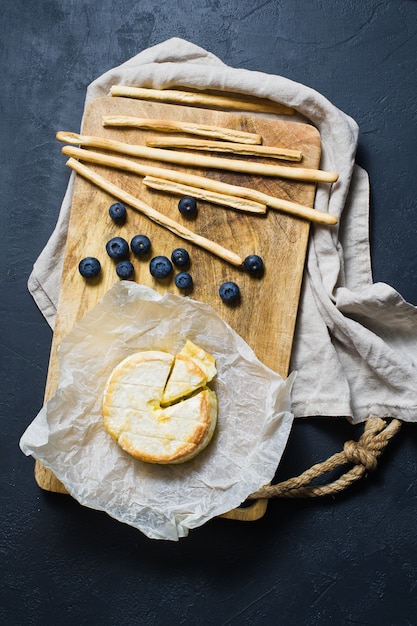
(362, 454)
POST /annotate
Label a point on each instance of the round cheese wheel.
(158, 407)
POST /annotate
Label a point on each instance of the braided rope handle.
(363, 454)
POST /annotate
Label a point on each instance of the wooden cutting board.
(267, 312)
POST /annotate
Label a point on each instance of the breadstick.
(191, 98)
(152, 214)
(165, 126)
(194, 160)
(204, 194)
(127, 165)
(225, 146)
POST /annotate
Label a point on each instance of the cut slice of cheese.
(193, 368)
(149, 430)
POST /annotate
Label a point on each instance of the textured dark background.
(347, 560)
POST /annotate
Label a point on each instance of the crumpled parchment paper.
(163, 501)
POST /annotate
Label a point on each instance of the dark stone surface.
(347, 560)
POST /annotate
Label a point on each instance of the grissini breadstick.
(242, 204)
(191, 98)
(194, 160)
(166, 126)
(152, 214)
(127, 165)
(225, 146)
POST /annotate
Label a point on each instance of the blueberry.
(183, 280)
(117, 248)
(89, 267)
(253, 264)
(140, 245)
(180, 257)
(187, 206)
(117, 212)
(229, 292)
(124, 269)
(160, 267)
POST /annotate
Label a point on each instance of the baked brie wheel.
(157, 406)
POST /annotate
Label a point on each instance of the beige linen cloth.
(355, 347)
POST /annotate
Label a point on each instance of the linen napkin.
(355, 345)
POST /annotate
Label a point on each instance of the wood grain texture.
(266, 315)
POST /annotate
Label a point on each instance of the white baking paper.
(163, 501)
